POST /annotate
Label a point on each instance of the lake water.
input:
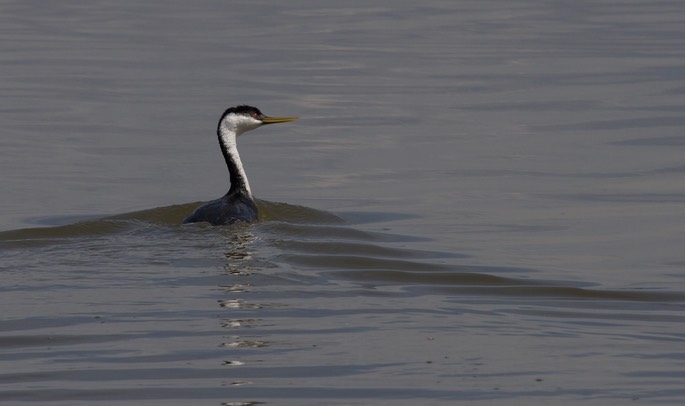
(482, 203)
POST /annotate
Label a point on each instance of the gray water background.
(481, 203)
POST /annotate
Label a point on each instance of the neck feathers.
(229, 147)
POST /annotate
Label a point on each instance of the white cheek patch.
(240, 124)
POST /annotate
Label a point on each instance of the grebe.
(238, 204)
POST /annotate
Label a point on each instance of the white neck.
(229, 147)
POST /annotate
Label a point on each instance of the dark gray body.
(229, 209)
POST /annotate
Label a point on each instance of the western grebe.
(237, 204)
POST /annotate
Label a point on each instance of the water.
(482, 203)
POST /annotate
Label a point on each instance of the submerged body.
(238, 204)
(227, 209)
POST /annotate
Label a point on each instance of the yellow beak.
(274, 120)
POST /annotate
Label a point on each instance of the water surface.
(482, 203)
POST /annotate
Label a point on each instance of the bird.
(237, 205)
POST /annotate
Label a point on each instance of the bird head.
(244, 118)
